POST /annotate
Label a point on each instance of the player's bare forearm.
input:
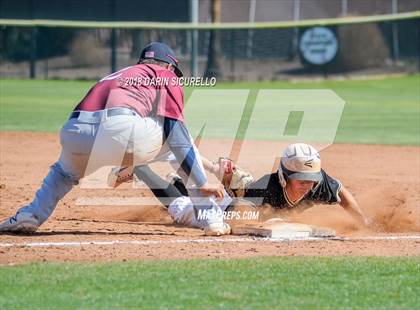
(349, 203)
(224, 167)
(209, 165)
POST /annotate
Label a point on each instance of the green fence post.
(32, 59)
(113, 50)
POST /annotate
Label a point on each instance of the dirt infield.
(384, 179)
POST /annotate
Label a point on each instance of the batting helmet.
(162, 52)
(300, 161)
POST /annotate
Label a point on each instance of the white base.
(279, 229)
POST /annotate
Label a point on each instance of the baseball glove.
(235, 180)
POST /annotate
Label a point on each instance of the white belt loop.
(104, 115)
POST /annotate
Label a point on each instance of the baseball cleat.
(24, 222)
(217, 229)
(118, 176)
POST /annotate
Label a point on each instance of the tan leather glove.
(234, 179)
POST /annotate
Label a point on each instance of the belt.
(109, 112)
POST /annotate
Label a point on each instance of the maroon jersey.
(150, 90)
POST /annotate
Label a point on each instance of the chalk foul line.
(203, 240)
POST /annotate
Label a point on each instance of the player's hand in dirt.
(212, 189)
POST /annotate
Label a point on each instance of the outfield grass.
(282, 283)
(385, 111)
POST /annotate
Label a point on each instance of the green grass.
(38, 105)
(383, 111)
(261, 283)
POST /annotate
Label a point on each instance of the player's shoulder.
(327, 190)
(329, 179)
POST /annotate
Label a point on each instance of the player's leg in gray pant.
(88, 144)
(76, 141)
(54, 187)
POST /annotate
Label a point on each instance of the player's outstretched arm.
(209, 165)
(349, 203)
(224, 167)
